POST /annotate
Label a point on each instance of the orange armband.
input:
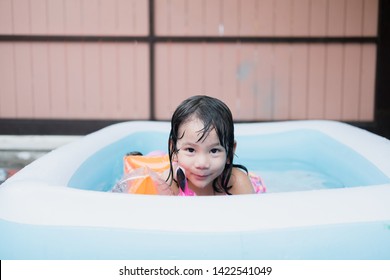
(137, 172)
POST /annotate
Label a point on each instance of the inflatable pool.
(328, 193)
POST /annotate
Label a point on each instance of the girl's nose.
(202, 162)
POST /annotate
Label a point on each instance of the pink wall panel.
(186, 17)
(7, 81)
(177, 16)
(266, 17)
(351, 84)
(336, 20)
(243, 70)
(179, 64)
(229, 73)
(283, 18)
(189, 69)
(269, 81)
(139, 17)
(21, 16)
(195, 79)
(24, 80)
(163, 83)
(194, 13)
(213, 18)
(367, 83)
(230, 17)
(109, 81)
(248, 24)
(55, 17)
(339, 17)
(74, 17)
(246, 75)
(120, 17)
(161, 17)
(370, 17)
(115, 83)
(212, 74)
(316, 82)
(108, 75)
(224, 71)
(92, 82)
(58, 80)
(74, 80)
(128, 82)
(300, 23)
(264, 81)
(6, 10)
(38, 12)
(281, 79)
(318, 18)
(334, 79)
(354, 15)
(40, 85)
(299, 77)
(142, 91)
(263, 85)
(91, 17)
(107, 17)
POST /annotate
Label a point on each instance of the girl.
(201, 142)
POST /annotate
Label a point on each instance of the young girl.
(201, 142)
(201, 148)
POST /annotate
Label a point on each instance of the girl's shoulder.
(240, 182)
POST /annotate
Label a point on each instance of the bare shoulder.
(240, 182)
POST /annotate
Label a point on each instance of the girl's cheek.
(174, 157)
(183, 162)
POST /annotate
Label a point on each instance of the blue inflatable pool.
(328, 193)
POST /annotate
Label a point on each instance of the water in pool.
(296, 160)
(296, 176)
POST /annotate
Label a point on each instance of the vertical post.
(151, 60)
(382, 96)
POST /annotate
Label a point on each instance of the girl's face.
(203, 160)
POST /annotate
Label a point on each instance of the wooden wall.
(268, 60)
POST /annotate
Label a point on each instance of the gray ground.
(18, 151)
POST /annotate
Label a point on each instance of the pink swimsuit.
(257, 183)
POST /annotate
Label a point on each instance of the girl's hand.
(163, 188)
(165, 185)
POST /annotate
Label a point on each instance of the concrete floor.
(18, 151)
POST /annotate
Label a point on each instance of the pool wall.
(58, 207)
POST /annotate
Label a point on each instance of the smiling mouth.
(201, 177)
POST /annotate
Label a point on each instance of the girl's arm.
(164, 185)
(241, 183)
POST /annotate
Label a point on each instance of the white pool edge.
(39, 197)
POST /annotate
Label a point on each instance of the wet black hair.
(214, 114)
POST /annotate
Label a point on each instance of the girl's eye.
(190, 150)
(214, 151)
